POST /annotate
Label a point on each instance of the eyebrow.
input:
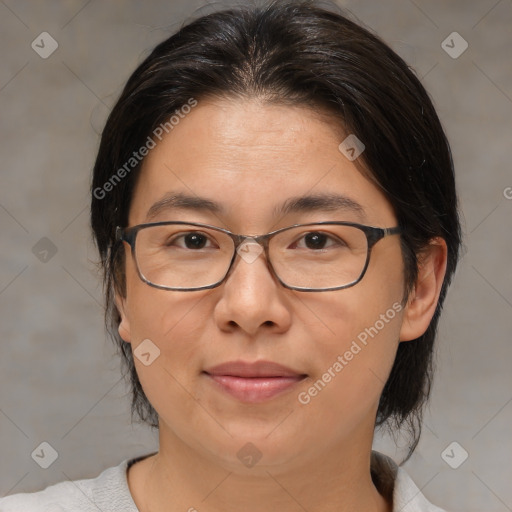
(309, 203)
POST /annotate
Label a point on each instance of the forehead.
(249, 158)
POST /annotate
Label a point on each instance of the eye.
(190, 240)
(317, 240)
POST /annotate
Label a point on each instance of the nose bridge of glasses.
(250, 247)
(261, 240)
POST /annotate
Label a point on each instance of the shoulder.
(408, 498)
(107, 492)
(397, 486)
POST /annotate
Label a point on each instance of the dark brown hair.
(294, 53)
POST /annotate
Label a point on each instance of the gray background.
(59, 375)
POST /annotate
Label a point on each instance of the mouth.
(253, 382)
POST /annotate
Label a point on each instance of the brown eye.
(191, 240)
(317, 240)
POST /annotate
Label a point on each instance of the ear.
(422, 302)
(124, 325)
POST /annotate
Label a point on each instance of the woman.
(267, 360)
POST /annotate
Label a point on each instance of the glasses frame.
(373, 235)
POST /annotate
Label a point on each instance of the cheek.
(348, 378)
(360, 329)
(160, 315)
(167, 325)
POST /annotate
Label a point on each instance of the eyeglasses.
(187, 256)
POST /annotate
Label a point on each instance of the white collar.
(395, 484)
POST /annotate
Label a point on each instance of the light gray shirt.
(109, 491)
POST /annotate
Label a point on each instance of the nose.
(251, 296)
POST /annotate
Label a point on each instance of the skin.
(251, 156)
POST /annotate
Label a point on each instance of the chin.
(260, 447)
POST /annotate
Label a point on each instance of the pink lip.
(253, 382)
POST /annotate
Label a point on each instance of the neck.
(180, 478)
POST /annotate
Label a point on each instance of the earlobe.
(124, 325)
(423, 299)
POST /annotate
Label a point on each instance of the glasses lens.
(315, 256)
(319, 256)
(182, 255)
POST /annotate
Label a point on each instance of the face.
(338, 345)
